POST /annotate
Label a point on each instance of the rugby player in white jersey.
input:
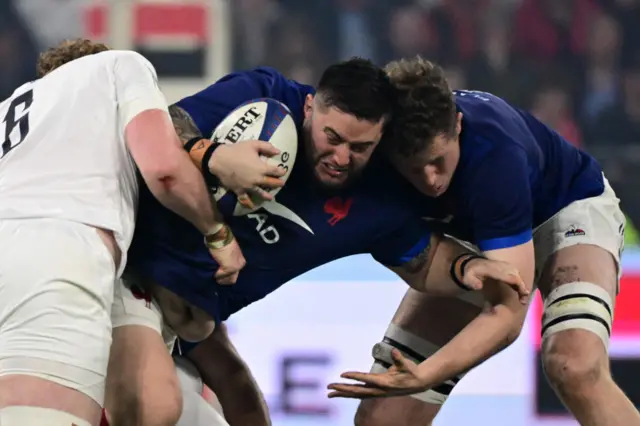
(71, 142)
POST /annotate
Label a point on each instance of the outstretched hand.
(401, 379)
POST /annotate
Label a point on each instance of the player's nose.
(430, 176)
(341, 155)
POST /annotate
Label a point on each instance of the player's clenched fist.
(241, 169)
(226, 252)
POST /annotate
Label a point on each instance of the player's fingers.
(352, 395)
(245, 200)
(357, 390)
(275, 171)
(336, 394)
(224, 277)
(401, 362)
(397, 358)
(368, 379)
(473, 282)
(259, 192)
(271, 182)
(266, 149)
(225, 280)
(516, 282)
(522, 289)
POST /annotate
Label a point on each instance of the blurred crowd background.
(574, 63)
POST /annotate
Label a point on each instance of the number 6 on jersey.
(16, 121)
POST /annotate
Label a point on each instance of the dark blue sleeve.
(403, 243)
(210, 106)
(499, 196)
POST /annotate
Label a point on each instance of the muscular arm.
(227, 375)
(494, 329)
(152, 143)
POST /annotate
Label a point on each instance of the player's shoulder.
(111, 58)
(263, 82)
(126, 56)
(486, 113)
(492, 123)
(102, 66)
(214, 102)
(271, 77)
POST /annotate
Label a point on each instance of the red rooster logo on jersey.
(338, 208)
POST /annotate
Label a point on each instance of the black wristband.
(211, 179)
(452, 271)
(191, 142)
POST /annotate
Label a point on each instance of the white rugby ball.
(266, 120)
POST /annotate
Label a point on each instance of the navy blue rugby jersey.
(304, 228)
(514, 174)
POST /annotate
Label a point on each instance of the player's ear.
(308, 106)
(458, 124)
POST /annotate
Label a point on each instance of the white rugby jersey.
(62, 152)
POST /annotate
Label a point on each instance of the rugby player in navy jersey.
(522, 194)
(331, 207)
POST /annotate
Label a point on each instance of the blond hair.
(65, 52)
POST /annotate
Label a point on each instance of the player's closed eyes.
(360, 148)
(438, 162)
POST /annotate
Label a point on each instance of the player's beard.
(314, 160)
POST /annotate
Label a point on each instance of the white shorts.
(596, 221)
(133, 305)
(56, 290)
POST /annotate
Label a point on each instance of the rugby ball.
(266, 120)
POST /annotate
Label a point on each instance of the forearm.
(240, 397)
(185, 194)
(489, 333)
(495, 328)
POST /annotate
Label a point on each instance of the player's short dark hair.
(65, 52)
(426, 106)
(357, 87)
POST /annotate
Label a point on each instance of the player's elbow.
(513, 332)
(510, 337)
(160, 172)
(161, 175)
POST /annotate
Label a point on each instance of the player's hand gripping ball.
(264, 120)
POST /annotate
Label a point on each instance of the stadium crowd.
(574, 63)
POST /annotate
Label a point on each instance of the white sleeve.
(136, 84)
